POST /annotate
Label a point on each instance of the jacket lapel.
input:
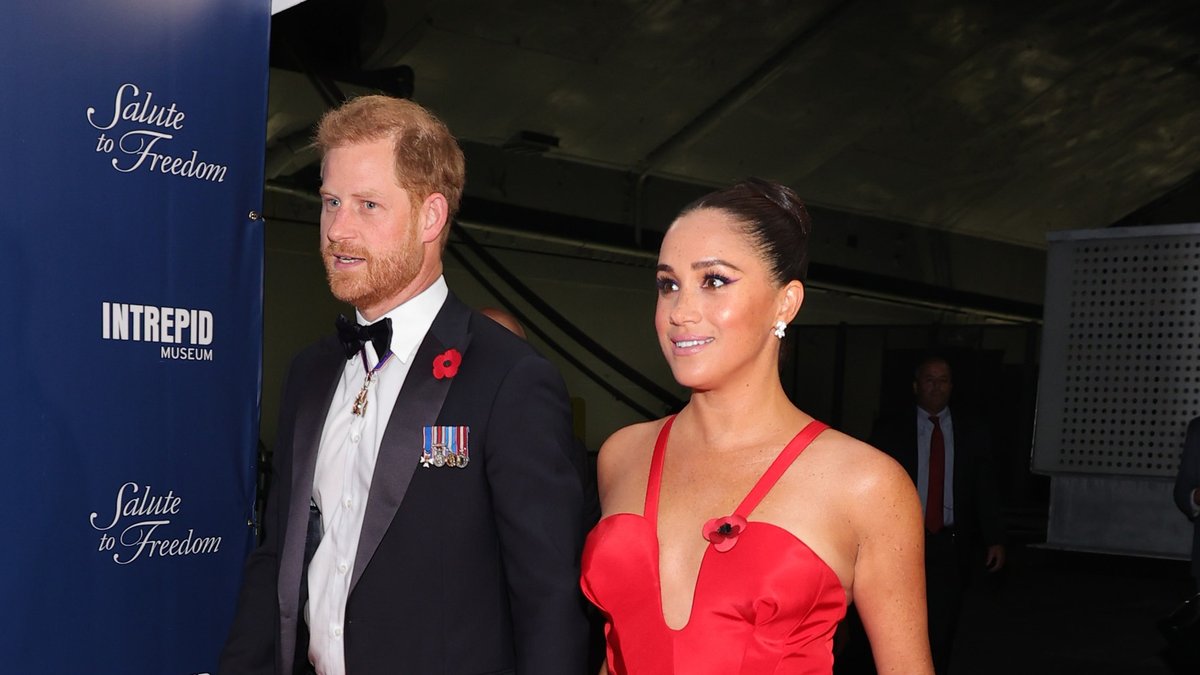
(418, 405)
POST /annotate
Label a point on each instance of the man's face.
(933, 386)
(371, 241)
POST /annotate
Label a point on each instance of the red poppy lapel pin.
(446, 364)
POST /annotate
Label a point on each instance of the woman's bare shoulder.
(863, 467)
(623, 466)
(874, 492)
(631, 441)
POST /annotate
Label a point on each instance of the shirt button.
(355, 437)
(348, 502)
(342, 568)
(337, 631)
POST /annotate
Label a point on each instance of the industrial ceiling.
(991, 122)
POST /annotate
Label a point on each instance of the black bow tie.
(354, 336)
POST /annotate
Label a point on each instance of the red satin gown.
(766, 605)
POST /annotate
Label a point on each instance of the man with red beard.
(426, 515)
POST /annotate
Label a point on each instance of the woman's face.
(717, 302)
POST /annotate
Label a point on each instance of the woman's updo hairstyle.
(773, 217)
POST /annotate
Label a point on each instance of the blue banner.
(131, 150)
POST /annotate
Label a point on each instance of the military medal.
(360, 402)
(460, 447)
(445, 446)
(427, 447)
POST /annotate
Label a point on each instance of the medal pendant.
(439, 454)
(360, 402)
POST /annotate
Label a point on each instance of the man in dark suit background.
(426, 515)
(1187, 492)
(949, 458)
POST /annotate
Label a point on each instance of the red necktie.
(937, 478)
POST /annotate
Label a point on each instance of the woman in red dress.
(736, 533)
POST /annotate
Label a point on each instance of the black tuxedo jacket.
(976, 504)
(1187, 480)
(458, 570)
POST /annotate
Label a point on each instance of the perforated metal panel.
(1121, 351)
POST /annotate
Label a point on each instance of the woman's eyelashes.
(710, 280)
(714, 280)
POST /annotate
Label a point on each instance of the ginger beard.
(384, 273)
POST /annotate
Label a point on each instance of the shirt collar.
(412, 319)
(942, 414)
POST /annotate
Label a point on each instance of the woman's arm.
(889, 571)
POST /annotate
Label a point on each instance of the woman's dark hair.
(774, 218)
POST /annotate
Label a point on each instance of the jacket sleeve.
(252, 645)
(538, 502)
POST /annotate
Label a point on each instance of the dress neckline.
(790, 452)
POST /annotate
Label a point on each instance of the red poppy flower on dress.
(723, 532)
(446, 364)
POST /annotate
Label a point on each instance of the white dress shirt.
(345, 465)
(924, 435)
